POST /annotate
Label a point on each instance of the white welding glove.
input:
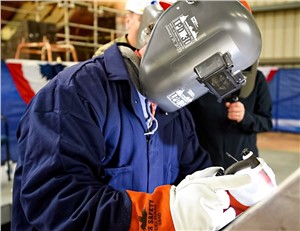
(200, 201)
(263, 184)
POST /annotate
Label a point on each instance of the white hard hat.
(138, 6)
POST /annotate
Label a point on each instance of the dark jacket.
(218, 135)
(82, 145)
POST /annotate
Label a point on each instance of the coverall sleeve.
(260, 118)
(144, 205)
(61, 148)
(194, 157)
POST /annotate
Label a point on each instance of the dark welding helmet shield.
(250, 74)
(149, 18)
(196, 47)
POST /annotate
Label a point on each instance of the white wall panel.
(297, 33)
(268, 2)
(279, 35)
(280, 31)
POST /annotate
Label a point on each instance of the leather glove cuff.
(151, 211)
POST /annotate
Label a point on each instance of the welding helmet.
(250, 74)
(150, 16)
(196, 47)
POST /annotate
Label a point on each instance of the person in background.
(133, 17)
(232, 125)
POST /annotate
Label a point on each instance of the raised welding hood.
(196, 47)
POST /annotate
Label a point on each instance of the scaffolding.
(66, 41)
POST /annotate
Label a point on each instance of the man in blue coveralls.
(96, 156)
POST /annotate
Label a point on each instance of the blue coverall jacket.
(82, 145)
